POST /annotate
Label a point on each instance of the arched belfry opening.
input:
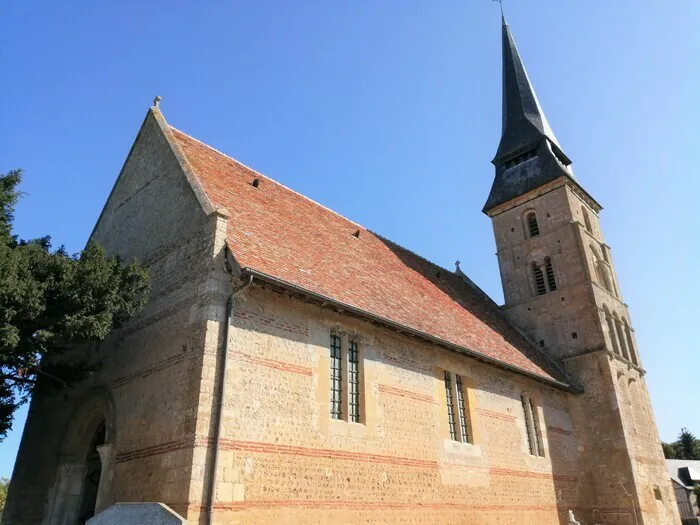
(93, 474)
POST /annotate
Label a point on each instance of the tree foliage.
(55, 307)
(4, 483)
(687, 446)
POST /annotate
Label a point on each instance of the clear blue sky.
(388, 112)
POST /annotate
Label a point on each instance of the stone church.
(295, 367)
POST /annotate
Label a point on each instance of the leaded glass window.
(532, 426)
(450, 406)
(354, 383)
(336, 380)
(461, 409)
(536, 430)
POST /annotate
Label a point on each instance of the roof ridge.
(267, 177)
(419, 256)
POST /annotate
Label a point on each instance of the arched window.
(586, 219)
(601, 271)
(551, 281)
(533, 229)
(611, 332)
(621, 337)
(630, 344)
(537, 274)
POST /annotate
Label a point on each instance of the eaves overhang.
(340, 306)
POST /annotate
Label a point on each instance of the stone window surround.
(345, 340)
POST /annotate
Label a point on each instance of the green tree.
(669, 450)
(687, 446)
(4, 483)
(54, 308)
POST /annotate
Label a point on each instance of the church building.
(295, 367)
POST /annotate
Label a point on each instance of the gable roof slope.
(277, 232)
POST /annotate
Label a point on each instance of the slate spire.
(524, 122)
(529, 155)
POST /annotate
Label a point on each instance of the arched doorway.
(83, 482)
(93, 473)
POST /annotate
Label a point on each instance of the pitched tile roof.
(279, 232)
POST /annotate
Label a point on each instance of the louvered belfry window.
(354, 383)
(461, 409)
(532, 227)
(450, 406)
(336, 378)
(540, 287)
(551, 281)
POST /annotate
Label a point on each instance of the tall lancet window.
(538, 276)
(533, 228)
(630, 344)
(586, 219)
(611, 332)
(621, 337)
(551, 281)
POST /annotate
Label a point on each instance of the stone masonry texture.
(282, 458)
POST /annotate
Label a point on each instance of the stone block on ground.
(138, 514)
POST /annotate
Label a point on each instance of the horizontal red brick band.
(271, 448)
(274, 448)
(371, 505)
(154, 450)
(272, 322)
(277, 365)
(495, 415)
(558, 430)
(386, 389)
(166, 363)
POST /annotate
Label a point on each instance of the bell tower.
(561, 289)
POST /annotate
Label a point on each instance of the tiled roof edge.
(190, 174)
(515, 327)
(270, 279)
(266, 177)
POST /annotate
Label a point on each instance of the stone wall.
(147, 389)
(285, 460)
(619, 461)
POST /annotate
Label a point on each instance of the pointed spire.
(529, 155)
(524, 122)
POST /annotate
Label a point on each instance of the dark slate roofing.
(510, 182)
(524, 122)
(684, 471)
(525, 131)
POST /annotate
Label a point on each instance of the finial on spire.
(457, 263)
(156, 101)
(500, 3)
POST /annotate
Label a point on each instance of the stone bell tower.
(560, 288)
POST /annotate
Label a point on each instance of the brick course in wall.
(282, 457)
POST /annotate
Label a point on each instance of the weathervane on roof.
(500, 2)
(457, 263)
(156, 101)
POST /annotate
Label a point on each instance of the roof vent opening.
(255, 183)
(438, 273)
(356, 234)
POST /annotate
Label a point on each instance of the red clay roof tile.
(279, 232)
